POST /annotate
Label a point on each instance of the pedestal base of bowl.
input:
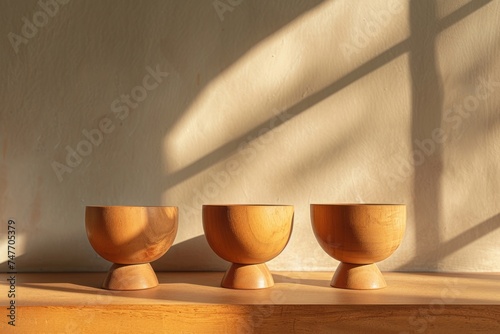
(130, 277)
(247, 276)
(358, 277)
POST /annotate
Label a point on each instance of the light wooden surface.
(298, 303)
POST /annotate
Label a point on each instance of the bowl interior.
(247, 234)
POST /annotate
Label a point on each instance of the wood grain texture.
(258, 319)
(130, 277)
(247, 276)
(247, 234)
(359, 233)
(298, 303)
(131, 234)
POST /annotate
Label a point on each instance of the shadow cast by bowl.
(190, 254)
(285, 278)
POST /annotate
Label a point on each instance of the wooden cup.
(359, 235)
(248, 236)
(131, 237)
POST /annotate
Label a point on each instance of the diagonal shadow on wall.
(373, 64)
(426, 86)
(455, 244)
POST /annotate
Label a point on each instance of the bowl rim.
(130, 206)
(247, 205)
(358, 204)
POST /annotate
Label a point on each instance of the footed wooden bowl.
(248, 236)
(131, 237)
(359, 235)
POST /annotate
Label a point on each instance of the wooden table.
(300, 302)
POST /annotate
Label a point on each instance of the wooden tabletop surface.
(302, 288)
(300, 302)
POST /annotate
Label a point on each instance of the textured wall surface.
(237, 101)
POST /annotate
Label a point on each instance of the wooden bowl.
(359, 235)
(248, 236)
(131, 237)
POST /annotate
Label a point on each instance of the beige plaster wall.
(239, 101)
